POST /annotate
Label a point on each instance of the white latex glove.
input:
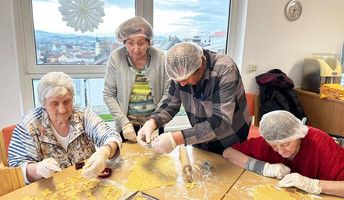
(47, 167)
(129, 132)
(144, 134)
(96, 164)
(155, 134)
(275, 170)
(164, 143)
(304, 183)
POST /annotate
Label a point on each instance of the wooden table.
(243, 188)
(212, 184)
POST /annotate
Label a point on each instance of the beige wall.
(271, 41)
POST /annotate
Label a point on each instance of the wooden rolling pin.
(184, 158)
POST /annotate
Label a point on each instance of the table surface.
(244, 187)
(223, 181)
(209, 184)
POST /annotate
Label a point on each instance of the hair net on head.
(136, 26)
(281, 126)
(182, 60)
(52, 80)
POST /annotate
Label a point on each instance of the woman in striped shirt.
(59, 134)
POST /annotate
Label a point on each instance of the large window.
(53, 42)
(204, 22)
(61, 41)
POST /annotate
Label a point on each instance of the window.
(87, 93)
(191, 21)
(50, 45)
(56, 43)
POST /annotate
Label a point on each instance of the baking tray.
(141, 194)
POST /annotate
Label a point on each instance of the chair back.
(11, 179)
(5, 138)
(253, 107)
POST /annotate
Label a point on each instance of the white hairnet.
(182, 60)
(136, 26)
(52, 80)
(281, 126)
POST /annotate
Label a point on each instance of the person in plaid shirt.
(210, 88)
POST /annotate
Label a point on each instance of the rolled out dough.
(151, 172)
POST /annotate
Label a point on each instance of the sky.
(171, 17)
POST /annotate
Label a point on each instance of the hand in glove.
(129, 132)
(96, 164)
(164, 143)
(144, 134)
(155, 134)
(275, 170)
(304, 183)
(47, 167)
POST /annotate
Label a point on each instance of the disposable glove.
(144, 134)
(155, 134)
(96, 164)
(304, 183)
(275, 170)
(129, 132)
(47, 167)
(164, 143)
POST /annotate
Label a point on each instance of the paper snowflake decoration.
(83, 15)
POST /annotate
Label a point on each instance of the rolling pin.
(184, 158)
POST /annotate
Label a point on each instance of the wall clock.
(293, 10)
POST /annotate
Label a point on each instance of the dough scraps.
(151, 172)
(191, 185)
(267, 192)
(78, 185)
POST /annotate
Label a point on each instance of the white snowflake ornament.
(83, 15)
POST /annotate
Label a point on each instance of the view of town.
(69, 49)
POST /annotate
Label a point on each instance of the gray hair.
(54, 84)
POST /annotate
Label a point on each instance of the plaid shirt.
(216, 108)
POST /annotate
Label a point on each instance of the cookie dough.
(151, 172)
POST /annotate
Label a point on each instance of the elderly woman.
(58, 134)
(286, 145)
(135, 81)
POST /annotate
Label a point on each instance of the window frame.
(30, 54)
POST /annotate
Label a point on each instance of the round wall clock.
(293, 10)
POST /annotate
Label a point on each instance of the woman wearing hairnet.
(301, 156)
(59, 134)
(211, 90)
(135, 81)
